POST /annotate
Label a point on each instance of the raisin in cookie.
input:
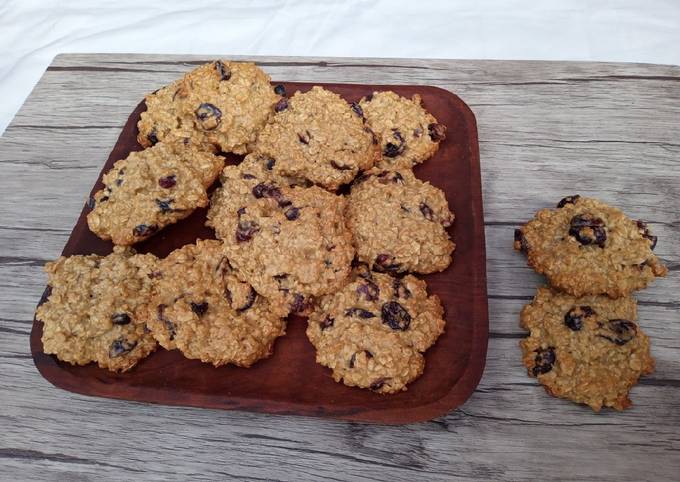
(315, 135)
(151, 189)
(200, 307)
(409, 134)
(224, 104)
(588, 350)
(89, 315)
(587, 247)
(290, 243)
(373, 331)
(398, 222)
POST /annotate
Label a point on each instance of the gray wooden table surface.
(546, 130)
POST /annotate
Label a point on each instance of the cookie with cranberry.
(373, 331)
(399, 222)
(89, 315)
(317, 136)
(588, 350)
(585, 247)
(151, 189)
(201, 307)
(408, 133)
(223, 104)
(290, 243)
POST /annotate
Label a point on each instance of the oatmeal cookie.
(315, 135)
(588, 350)
(398, 222)
(151, 189)
(373, 331)
(587, 247)
(409, 134)
(223, 104)
(290, 243)
(200, 307)
(89, 315)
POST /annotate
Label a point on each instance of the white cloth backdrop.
(32, 32)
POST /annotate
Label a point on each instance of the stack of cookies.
(322, 218)
(584, 343)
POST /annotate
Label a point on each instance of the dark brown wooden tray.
(290, 382)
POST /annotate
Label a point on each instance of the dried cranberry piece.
(618, 331)
(437, 132)
(520, 241)
(326, 323)
(120, 347)
(167, 182)
(169, 325)
(209, 116)
(384, 263)
(279, 89)
(427, 211)
(120, 319)
(245, 230)
(574, 317)
(370, 290)
(362, 269)
(199, 308)
(353, 359)
(298, 305)
(281, 105)
(544, 361)
(588, 229)
(400, 289)
(386, 177)
(378, 384)
(252, 296)
(223, 70)
(292, 213)
(304, 138)
(164, 205)
(357, 109)
(360, 178)
(393, 149)
(267, 191)
(568, 200)
(152, 137)
(644, 231)
(395, 316)
(142, 230)
(359, 312)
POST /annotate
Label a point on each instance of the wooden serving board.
(546, 130)
(290, 381)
